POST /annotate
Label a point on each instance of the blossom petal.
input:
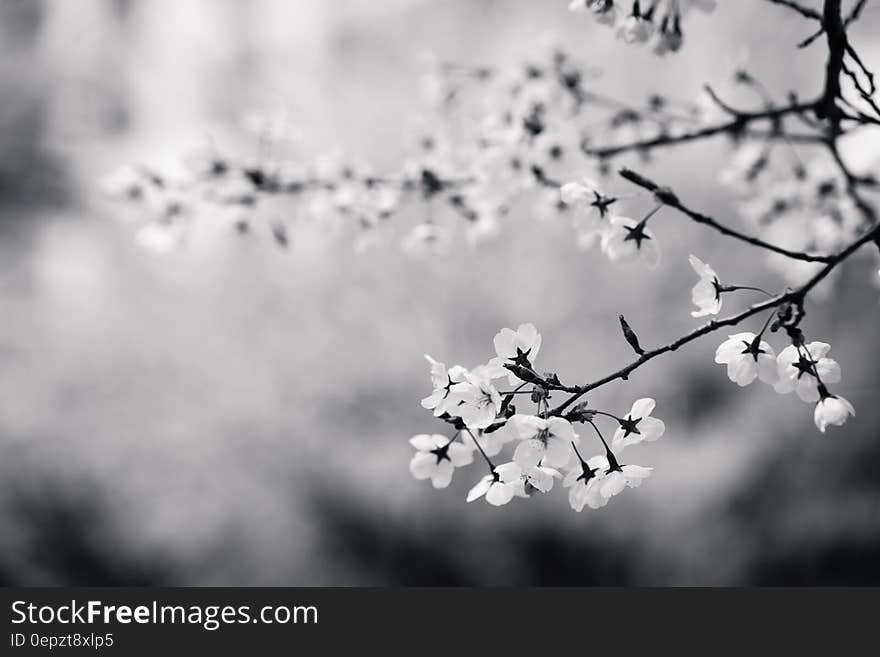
(529, 453)
(442, 476)
(422, 465)
(460, 455)
(426, 442)
(480, 488)
(743, 370)
(499, 494)
(768, 372)
(563, 429)
(642, 408)
(652, 428)
(557, 453)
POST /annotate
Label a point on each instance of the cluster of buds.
(657, 22)
(543, 444)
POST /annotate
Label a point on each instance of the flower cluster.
(545, 445)
(800, 367)
(541, 130)
(647, 21)
(492, 138)
(621, 238)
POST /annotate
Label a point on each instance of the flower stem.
(766, 324)
(601, 437)
(612, 416)
(734, 288)
(479, 447)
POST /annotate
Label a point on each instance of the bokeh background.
(234, 413)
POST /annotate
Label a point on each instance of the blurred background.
(234, 413)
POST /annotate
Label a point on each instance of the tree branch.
(806, 12)
(666, 196)
(796, 297)
(835, 33)
(736, 125)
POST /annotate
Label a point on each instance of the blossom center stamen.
(630, 425)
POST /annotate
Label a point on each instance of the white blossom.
(539, 478)
(591, 219)
(548, 440)
(747, 358)
(512, 346)
(798, 367)
(618, 477)
(440, 400)
(604, 10)
(583, 483)
(525, 341)
(628, 240)
(437, 457)
(706, 294)
(832, 409)
(499, 487)
(492, 443)
(635, 29)
(638, 425)
(478, 401)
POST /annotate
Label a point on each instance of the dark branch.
(795, 297)
(666, 196)
(735, 126)
(806, 12)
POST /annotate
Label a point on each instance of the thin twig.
(666, 196)
(796, 296)
(806, 12)
(735, 126)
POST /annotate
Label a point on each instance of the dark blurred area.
(232, 413)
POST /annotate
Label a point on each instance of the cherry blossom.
(706, 294)
(440, 400)
(493, 443)
(583, 480)
(618, 477)
(499, 487)
(591, 220)
(643, 19)
(747, 357)
(628, 240)
(636, 28)
(669, 37)
(798, 367)
(548, 440)
(539, 478)
(512, 345)
(831, 409)
(478, 400)
(494, 135)
(604, 10)
(437, 457)
(638, 425)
